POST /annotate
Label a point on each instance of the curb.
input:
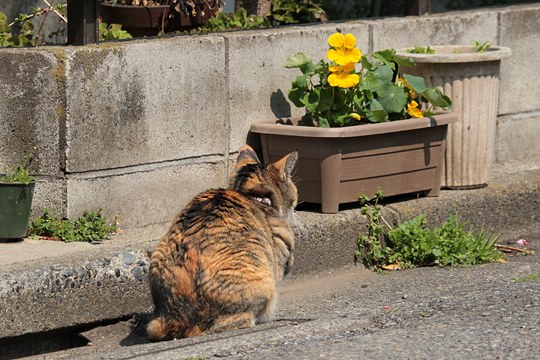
(109, 281)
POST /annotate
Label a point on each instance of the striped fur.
(219, 264)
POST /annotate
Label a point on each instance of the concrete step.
(48, 285)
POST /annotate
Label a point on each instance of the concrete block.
(258, 81)
(143, 196)
(145, 101)
(30, 109)
(443, 29)
(49, 194)
(517, 138)
(520, 78)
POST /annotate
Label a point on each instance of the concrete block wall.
(139, 127)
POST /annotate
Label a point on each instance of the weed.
(90, 227)
(524, 279)
(234, 21)
(20, 172)
(413, 244)
(112, 32)
(480, 47)
(417, 49)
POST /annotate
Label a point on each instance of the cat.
(219, 264)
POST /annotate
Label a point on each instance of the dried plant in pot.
(151, 17)
(362, 130)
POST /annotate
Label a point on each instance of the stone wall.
(139, 127)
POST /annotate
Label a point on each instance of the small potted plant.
(150, 17)
(470, 75)
(362, 130)
(16, 192)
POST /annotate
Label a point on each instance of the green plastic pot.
(15, 206)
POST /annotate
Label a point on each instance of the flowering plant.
(335, 94)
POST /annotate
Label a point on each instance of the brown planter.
(149, 21)
(336, 165)
(136, 20)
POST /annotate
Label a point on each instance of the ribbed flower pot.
(15, 206)
(471, 80)
(336, 165)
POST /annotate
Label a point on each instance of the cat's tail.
(162, 328)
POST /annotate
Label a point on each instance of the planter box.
(336, 165)
(137, 20)
(471, 80)
(15, 209)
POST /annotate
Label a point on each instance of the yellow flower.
(413, 110)
(406, 84)
(341, 76)
(343, 49)
(355, 116)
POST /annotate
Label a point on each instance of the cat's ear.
(285, 165)
(246, 156)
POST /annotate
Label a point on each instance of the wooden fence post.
(83, 27)
(417, 7)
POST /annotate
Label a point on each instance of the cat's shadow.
(137, 334)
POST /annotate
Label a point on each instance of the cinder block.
(49, 194)
(30, 109)
(145, 102)
(517, 138)
(143, 196)
(445, 29)
(520, 78)
(258, 81)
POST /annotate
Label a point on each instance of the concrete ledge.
(150, 195)
(80, 283)
(120, 106)
(441, 29)
(515, 140)
(520, 81)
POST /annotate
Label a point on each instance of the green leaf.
(370, 82)
(404, 61)
(325, 100)
(295, 94)
(297, 60)
(386, 57)
(308, 68)
(27, 26)
(3, 17)
(301, 82)
(376, 112)
(322, 122)
(384, 73)
(417, 83)
(311, 100)
(392, 98)
(366, 64)
(437, 98)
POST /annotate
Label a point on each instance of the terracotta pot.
(335, 165)
(471, 80)
(137, 20)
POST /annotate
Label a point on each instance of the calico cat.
(219, 265)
